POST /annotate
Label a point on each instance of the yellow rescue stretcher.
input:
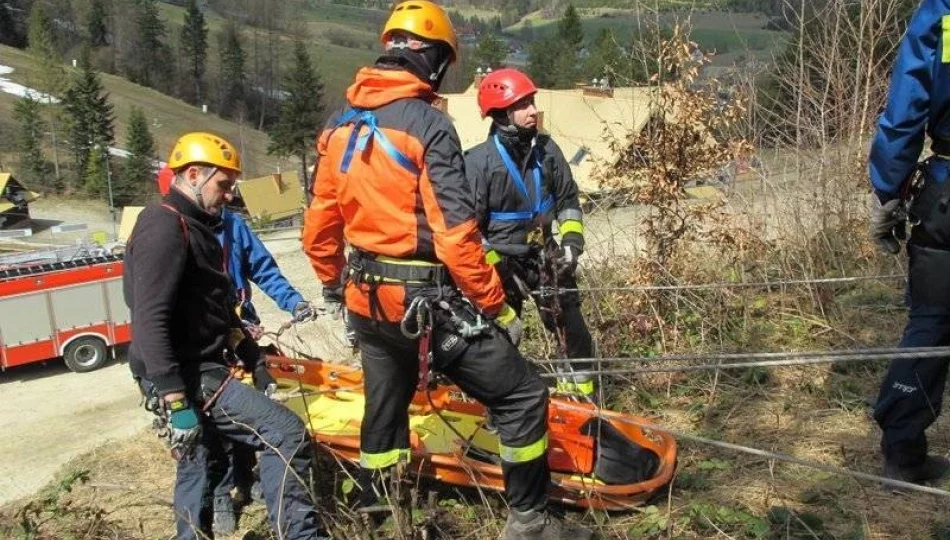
(599, 459)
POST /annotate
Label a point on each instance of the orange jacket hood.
(375, 87)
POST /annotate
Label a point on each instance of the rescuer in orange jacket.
(391, 184)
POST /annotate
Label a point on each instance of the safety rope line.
(766, 454)
(871, 353)
(791, 359)
(724, 285)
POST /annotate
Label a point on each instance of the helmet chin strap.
(196, 189)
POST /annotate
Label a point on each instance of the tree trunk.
(305, 179)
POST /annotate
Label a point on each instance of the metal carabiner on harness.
(419, 310)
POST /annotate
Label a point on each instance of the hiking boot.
(223, 521)
(933, 468)
(541, 525)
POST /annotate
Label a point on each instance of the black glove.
(333, 301)
(248, 352)
(887, 226)
(303, 311)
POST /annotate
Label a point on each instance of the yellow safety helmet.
(207, 148)
(424, 19)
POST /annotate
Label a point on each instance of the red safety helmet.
(502, 89)
(165, 178)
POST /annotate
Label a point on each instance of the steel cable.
(723, 285)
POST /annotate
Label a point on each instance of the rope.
(770, 455)
(790, 359)
(724, 285)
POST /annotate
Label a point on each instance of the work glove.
(509, 321)
(565, 260)
(887, 226)
(263, 380)
(248, 353)
(185, 428)
(333, 301)
(303, 312)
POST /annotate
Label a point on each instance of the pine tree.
(232, 77)
(40, 33)
(147, 59)
(542, 59)
(194, 44)
(139, 171)
(606, 58)
(52, 76)
(95, 175)
(570, 29)
(33, 167)
(491, 52)
(96, 30)
(89, 115)
(301, 114)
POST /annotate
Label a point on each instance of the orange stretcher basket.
(599, 459)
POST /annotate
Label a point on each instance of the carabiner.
(417, 309)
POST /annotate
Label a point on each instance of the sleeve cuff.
(167, 383)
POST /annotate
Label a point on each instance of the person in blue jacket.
(248, 261)
(919, 105)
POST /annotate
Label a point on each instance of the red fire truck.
(71, 309)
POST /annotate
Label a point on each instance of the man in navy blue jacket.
(918, 105)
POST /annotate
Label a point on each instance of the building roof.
(5, 203)
(583, 122)
(130, 214)
(276, 196)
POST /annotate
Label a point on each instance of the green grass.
(168, 117)
(336, 64)
(714, 31)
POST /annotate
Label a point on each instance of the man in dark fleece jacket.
(184, 329)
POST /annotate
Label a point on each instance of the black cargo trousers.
(578, 341)
(488, 368)
(911, 394)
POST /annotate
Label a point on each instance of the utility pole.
(105, 152)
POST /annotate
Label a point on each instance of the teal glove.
(185, 428)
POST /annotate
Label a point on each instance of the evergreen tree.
(42, 42)
(232, 77)
(96, 30)
(52, 76)
(570, 29)
(301, 115)
(139, 171)
(543, 59)
(606, 58)
(194, 44)
(89, 115)
(147, 59)
(490, 52)
(95, 175)
(33, 167)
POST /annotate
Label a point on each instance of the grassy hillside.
(168, 117)
(336, 62)
(715, 31)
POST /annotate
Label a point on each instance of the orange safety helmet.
(502, 89)
(424, 19)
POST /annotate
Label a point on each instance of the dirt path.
(50, 415)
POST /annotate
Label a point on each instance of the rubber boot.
(933, 468)
(224, 520)
(541, 525)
